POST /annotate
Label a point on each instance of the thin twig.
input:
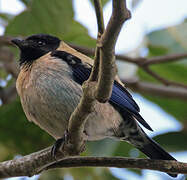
(100, 22)
(99, 15)
(162, 79)
(165, 59)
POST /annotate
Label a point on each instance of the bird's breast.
(48, 95)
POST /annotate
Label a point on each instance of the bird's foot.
(63, 145)
(59, 144)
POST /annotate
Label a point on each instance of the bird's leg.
(59, 144)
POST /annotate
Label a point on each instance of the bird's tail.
(136, 136)
(155, 151)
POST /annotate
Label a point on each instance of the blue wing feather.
(120, 98)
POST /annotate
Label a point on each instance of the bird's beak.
(19, 43)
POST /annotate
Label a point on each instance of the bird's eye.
(41, 43)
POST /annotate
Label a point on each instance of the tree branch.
(39, 161)
(122, 162)
(155, 89)
(107, 43)
(78, 119)
(84, 108)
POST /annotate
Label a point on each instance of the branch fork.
(104, 70)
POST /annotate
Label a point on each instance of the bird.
(50, 87)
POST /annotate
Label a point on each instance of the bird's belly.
(53, 116)
(103, 122)
(50, 108)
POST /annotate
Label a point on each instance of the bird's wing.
(120, 98)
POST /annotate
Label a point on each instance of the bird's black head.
(36, 46)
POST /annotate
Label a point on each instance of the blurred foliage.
(5, 18)
(170, 40)
(179, 137)
(27, 3)
(52, 18)
(18, 136)
(102, 1)
(135, 3)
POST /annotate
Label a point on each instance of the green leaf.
(108, 175)
(173, 38)
(3, 74)
(26, 2)
(104, 147)
(110, 147)
(162, 42)
(174, 72)
(18, 134)
(178, 145)
(174, 107)
(171, 71)
(43, 16)
(56, 174)
(122, 149)
(51, 17)
(6, 17)
(127, 150)
(84, 173)
(88, 173)
(4, 152)
(157, 50)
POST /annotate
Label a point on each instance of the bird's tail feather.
(155, 151)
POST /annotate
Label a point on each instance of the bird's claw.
(59, 144)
